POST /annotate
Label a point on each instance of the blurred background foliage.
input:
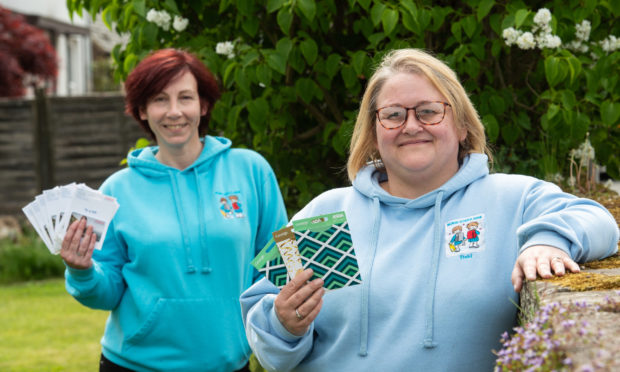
(293, 72)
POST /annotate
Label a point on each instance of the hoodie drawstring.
(181, 217)
(204, 254)
(432, 279)
(364, 305)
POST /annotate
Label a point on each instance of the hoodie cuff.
(281, 331)
(550, 238)
(81, 275)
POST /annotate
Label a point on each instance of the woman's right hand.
(299, 302)
(78, 245)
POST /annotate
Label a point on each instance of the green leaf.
(484, 7)
(250, 26)
(309, 49)
(376, 13)
(491, 126)
(389, 19)
(284, 46)
(552, 111)
(520, 17)
(456, 31)
(358, 60)
(229, 73)
(232, 118)
(285, 19)
(552, 70)
(258, 110)
(263, 74)
(332, 65)
(510, 133)
(568, 99)
(469, 25)
(139, 6)
(273, 5)
(172, 6)
(349, 76)
(610, 112)
(306, 89)
(308, 8)
(276, 62)
(130, 62)
(364, 3)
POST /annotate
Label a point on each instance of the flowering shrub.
(547, 340)
(26, 53)
(293, 72)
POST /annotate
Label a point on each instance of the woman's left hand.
(541, 259)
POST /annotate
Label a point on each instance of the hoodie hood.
(144, 161)
(367, 183)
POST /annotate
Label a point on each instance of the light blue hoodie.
(423, 305)
(175, 259)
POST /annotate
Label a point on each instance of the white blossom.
(583, 30)
(577, 46)
(610, 44)
(542, 17)
(511, 35)
(160, 18)
(180, 23)
(526, 41)
(584, 153)
(548, 41)
(557, 177)
(226, 48)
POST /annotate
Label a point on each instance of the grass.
(42, 328)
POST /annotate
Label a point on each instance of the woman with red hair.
(173, 265)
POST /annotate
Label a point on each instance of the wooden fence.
(49, 141)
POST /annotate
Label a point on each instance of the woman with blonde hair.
(419, 168)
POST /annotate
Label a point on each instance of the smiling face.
(418, 158)
(174, 115)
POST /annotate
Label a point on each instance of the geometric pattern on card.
(275, 271)
(330, 254)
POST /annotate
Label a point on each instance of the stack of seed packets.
(51, 213)
(322, 243)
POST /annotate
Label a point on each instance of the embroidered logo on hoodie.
(465, 236)
(230, 205)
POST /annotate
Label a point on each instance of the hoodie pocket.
(192, 332)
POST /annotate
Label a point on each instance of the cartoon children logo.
(236, 205)
(225, 208)
(472, 234)
(465, 236)
(457, 239)
(230, 206)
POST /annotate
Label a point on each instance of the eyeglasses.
(428, 113)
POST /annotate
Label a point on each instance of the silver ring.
(557, 258)
(298, 315)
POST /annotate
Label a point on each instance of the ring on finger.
(299, 316)
(557, 258)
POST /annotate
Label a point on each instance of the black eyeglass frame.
(416, 114)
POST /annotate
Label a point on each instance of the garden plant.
(543, 75)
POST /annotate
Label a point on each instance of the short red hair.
(156, 71)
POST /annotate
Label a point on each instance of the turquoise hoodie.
(177, 256)
(429, 300)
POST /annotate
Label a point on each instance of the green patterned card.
(325, 246)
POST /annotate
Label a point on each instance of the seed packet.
(324, 244)
(54, 210)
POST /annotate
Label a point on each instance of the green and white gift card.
(324, 244)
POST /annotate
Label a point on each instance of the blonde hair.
(363, 141)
